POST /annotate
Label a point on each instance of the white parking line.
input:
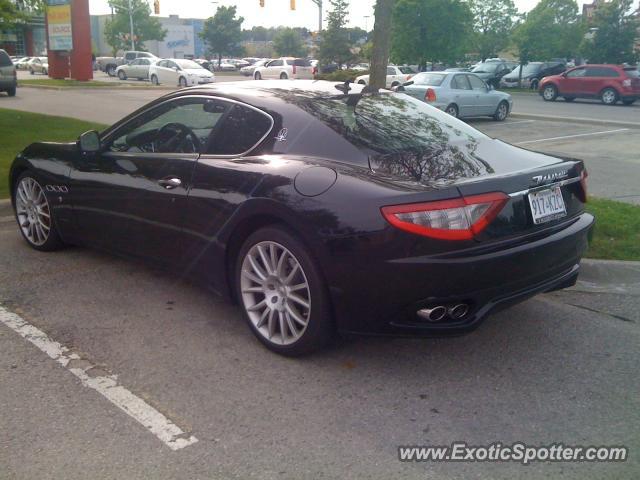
(515, 123)
(573, 136)
(154, 421)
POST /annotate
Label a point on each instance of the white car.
(139, 69)
(178, 71)
(395, 76)
(249, 70)
(286, 68)
(38, 65)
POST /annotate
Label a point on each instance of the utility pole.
(381, 43)
(133, 45)
(319, 4)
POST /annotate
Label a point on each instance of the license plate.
(547, 205)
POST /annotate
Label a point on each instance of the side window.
(460, 82)
(180, 126)
(144, 61)
(477, 83)
(577, 73)
(171, 64)
(601, 72)
(162, 63)
(129, 56)
(276, 63)
(240, 131)
(391, 71)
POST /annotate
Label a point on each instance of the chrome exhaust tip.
(458, 311)
(434, 314)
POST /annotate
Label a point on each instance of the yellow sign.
(59, 22)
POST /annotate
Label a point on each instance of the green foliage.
(493, 23)
(223, 32)
(145, 27)
(616, 235)
(551, 30)
(341, 75)
(289, 43)
(11, 15)
(616, 32)
(430, 31)
(335, 45)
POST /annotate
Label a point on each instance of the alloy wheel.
(501, 114)
(275, 293)
(549, 93)
(182, 82)
(33, 212)
(609, 97)
(452, 110)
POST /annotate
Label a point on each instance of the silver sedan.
(139, 69)
(459, 94)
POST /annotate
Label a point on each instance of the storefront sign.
(59, 22)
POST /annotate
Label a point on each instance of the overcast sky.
(275, 12)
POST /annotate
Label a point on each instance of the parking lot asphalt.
(541, 372)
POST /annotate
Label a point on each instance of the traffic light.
(156, 7)
(262, 3)
(293, 4)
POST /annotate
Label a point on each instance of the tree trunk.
(381, 43)
(520, 74)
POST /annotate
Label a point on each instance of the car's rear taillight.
(314, 71)
(455, 219)
(626, 82)
(294, 69)
(430, 95)
(583, 186)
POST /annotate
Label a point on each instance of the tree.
(381, 43)
(493, 22)
(430, 31)
(288, 43)
(11, 13)
(335, 45)
(145, 27)
(551, 30)
(614, 38)
(223, 33)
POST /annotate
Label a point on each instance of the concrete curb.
(93, 89)
(586, 121)
(609, 276)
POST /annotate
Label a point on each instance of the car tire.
(362, 82)
(257, 76)
(182, 82)
(452, 110)
(11, 91)
(122, 75)
(549, 93)
(569, 99)
(502, 112)
(284, 76)
(34, 216)
(154, 80)
(629, 102)
(31, 72)
(111, 70)
(290, 323)
(534, 84)
(45, 72)
(609, 96)
(395, 84)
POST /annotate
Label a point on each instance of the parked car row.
(395, 76)
(8, 78)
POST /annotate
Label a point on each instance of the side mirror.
(90, 142)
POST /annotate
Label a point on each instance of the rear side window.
(301, 62)
(460, 82)
(276, 63)
(5, 60)
(241, 130)
(601, 72)
(476, 83)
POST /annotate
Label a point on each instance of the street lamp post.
(133, 46)
(319, 4)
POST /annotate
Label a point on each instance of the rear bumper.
(485, 281)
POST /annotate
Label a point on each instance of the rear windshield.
(301, 62)
(187, 64)
(632, 72)
(406, 70)
(398, 131)
(431, 79)
(5, 60)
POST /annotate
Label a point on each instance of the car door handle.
(170, 183)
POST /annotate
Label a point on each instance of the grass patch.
(50, 82)
(617, 231)
(20, 129)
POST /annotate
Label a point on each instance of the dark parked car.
(8, 78)
(532, 72)
(316, 207)
(609, 83)
(492, 71)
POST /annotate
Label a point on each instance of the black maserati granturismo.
(317, 207)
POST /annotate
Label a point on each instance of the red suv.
(609, 83)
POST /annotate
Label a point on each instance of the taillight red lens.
(294, 69)
(583, 185)
(430, 95)
(455, 219)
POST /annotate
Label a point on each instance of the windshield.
(485, 68)
(402, 135)
(432, 79)
(187, 64)
(406, 70)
